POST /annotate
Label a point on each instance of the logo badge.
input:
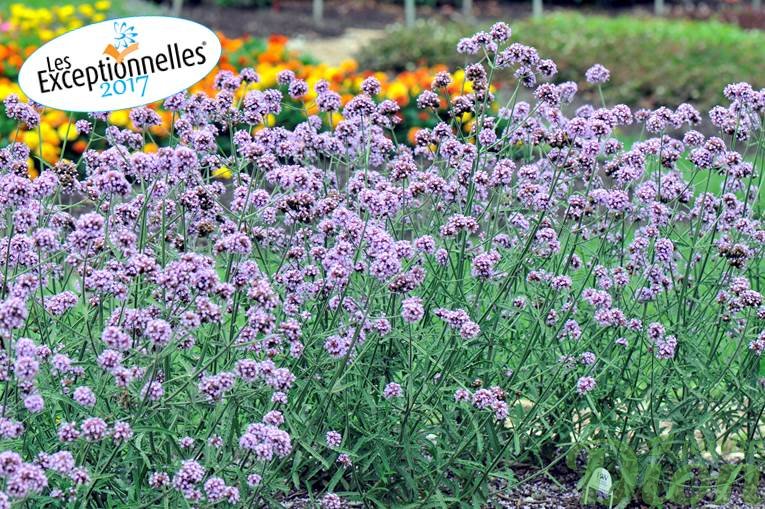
(120, 63)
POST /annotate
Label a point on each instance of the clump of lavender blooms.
(526, 277)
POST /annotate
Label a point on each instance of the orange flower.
(271, 56)
(278, 39)
(79, 146)
(411, 134)
(230, 44)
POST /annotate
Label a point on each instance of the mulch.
(558, 491)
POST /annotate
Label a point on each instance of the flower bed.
(26, 28)
(352, 318)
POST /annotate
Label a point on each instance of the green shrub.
(405, 48)
(654, 61)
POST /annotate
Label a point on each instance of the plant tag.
(600, 481)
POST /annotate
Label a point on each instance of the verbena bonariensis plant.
(354, 319)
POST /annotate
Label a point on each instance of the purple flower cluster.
(492, 399)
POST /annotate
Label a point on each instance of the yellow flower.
(31, 139)
(349, 65)
(119, 118)
(7, 88)
(49, 134)
(50, 153)
(311, 95)
(223, 173)
(103, 5)
(43, 16)
(65, 12)
(397, 91)
(67, 132)
(55, 118)
(46, 35)
(267, 74)
(17, 10)
(87, 10)
(150, 147)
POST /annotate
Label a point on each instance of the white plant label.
(119, 63)
(601, 481)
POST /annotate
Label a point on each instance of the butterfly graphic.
(124, 35)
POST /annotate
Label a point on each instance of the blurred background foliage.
(653, 61)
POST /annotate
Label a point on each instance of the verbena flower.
(206, 306)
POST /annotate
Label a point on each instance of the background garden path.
(333, 50)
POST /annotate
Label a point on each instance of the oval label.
(600, 481)
(119, 63)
